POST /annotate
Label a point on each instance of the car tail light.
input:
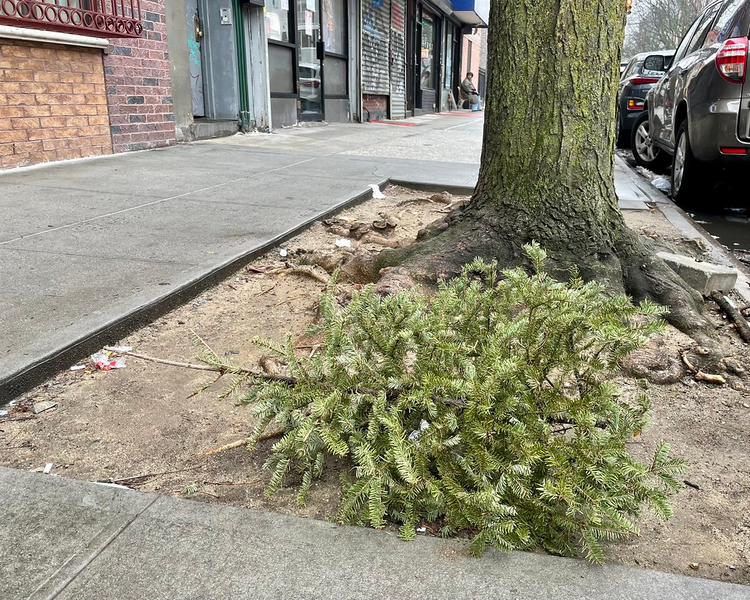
(643, 80)
(731, 60)
(733, 150)
(636, 104)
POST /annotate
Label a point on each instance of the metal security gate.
(376, 26)
(398, 59)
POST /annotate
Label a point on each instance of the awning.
(472, 12)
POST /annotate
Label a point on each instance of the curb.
(717, 252)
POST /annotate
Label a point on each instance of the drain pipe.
(241, 43)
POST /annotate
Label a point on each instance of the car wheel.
(687, 177)
(645, 153)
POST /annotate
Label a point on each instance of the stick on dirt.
(700, 375)
(184, 365)
(243, 442)
(149, 475)
(164, 361)
(251, 482)
(733, 313)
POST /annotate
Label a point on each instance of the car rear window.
(728, 22)
(701, 33)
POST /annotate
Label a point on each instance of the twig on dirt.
(260, 375)
(203, 388)
(149, 475)
(415, 200)
(13, 439)
(29, 417)
(285, 300)
(163, 361)
(691, 484)
(294, 270)
(201, 343)
(307, 272)
(251, 482)
(269, 289)
(733, 313)
(24, 445)
(243, 442)
(220, 369)
(700, 375)
(260, 270)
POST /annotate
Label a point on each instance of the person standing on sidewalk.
(470, 92)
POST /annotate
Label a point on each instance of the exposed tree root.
(733, 313)
(618, 259)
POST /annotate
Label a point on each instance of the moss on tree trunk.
(546, 172)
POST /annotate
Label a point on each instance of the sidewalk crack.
(56, 583)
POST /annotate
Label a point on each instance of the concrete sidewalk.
(83, 541)
(92, 249)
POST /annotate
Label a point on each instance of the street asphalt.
(93, 248)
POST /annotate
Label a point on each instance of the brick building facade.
(136, 72)
(68, 94)
(470, 53)
(53, 103)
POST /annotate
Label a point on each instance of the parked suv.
(699, 112)
(636, 80)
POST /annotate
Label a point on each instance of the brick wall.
(138, 86)
(375, 106)
(470, 55)
(52, 103)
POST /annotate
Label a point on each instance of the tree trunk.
(547, 162)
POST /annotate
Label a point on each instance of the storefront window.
(334, 26)
(427, 77)
(448, 76)
(277, 20)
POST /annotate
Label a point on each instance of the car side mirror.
(655, 62)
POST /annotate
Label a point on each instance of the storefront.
(429, 59)
(376, 61)
(309, 60)
(438, 27)
(438, 54)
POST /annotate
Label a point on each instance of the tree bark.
(546, 171)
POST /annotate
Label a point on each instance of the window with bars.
(101, 18)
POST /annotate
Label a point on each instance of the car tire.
(688, 182)
(645, 153)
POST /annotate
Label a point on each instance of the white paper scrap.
(376, 193)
